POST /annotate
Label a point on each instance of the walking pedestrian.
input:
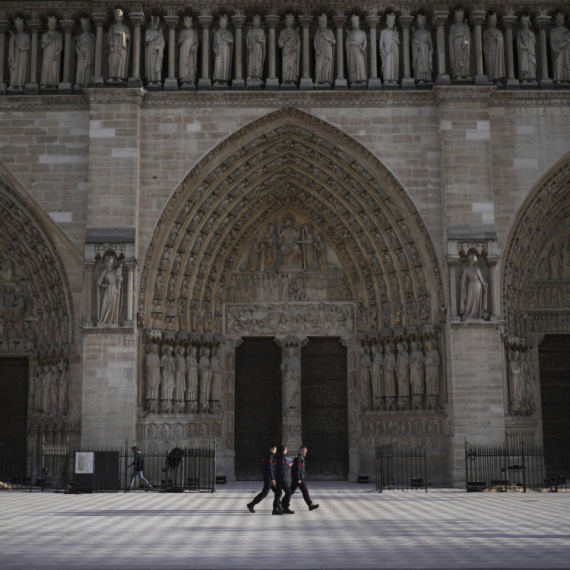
(282, 466)
(138, 466)
(268, 478)
(298, 477)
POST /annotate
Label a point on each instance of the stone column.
(32, 86)
(137, 18)
(438, 20)
(477, 17)
(507, 22)
(88, 288)
(4, 27)
(65, 85)
(407, 81)
(541, 22)
(204, 82)
(374, 83)
(306, 81)
(272, 83)
(171, 83)
(130, 292)
(238, 83)
(97, 78)
(340, 82)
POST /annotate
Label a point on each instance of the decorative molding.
(115, 95)
(108, 330)
(43, 102)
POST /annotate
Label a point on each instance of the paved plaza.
(355, 527)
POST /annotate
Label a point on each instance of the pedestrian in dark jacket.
(138, 466)
(298, 477)
(268, 468)
(282, 468)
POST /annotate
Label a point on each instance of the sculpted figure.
(365, 377)
(52, 45)
(255, 42)
(256, 253)
(205, 376)
(431, 363)
(191, 380)
(422, 51)
(46, 388)
(473, 291)
(291, 378)
(493, 51)
(515, 383)
(39, 390)
(554, 261)
(528, 392)
(167, 379)
(223, 52)
(526, 43)
(154, 52)
(459, 46)
(377, 375)
(179, 378)
(356, 53)
(324, 53)
(290, 252)
(119, 47)
(217, 376)
(390, 376)
(416, 374)
(85, 49)
(30, 338)
(389, 44)
(62, 391)
(109, 292)
(307, 242)
(560, 47)
(54, 389)
(403, 375)
(152, 376)
(188, 56)
(269, 249)
(290, 43)
(19, 56)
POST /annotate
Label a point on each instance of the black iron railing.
(400, 468)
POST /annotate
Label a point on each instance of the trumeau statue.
(109, 293)
(223, 52)
(52, 46)
(154, 52)
(389, 44)
(85, 49)
(422, 51)
(560, 47)
(356, 53)
(119, 48)
(493, 51)
(188, 56)
(291, 378)
(526, 43)
(473, 291)
(290, 43)
(19, 56)
(255, 42)
(324, 53)
(459, 46)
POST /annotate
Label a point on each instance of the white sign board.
(84, 462)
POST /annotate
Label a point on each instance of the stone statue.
(554, 261)
(269, 249)
(154, 41)
(431, 363)
(389, 44)
(307, 242)
(290, 43)
(515, 383)
(473, 291)
(19, 56)
(52, 46)
(205, 376)
(365, 377)
(29, 336)
(54, 389)
(493, 51)
(167, 378)
(356, 53)
(63, 383)
(223, 52)
(217, 376)
(560, 48)
(422, 52)
(179, 378)
(324, 54)
(528, 392)
(109, 293)
(526, 43)
(188, 56)
(377, 375)
(321, 250)
(291, 378)
(152, 364)
(192, 380)
(256, 253)
(290, 252)
(119, 48)
(459, 46)
(416, 374)
(403, 375)
(85, 49)
(255, 42)
(46, 386)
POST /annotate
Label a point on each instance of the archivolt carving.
(289, 164)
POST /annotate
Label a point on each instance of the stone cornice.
(43, 102)
(110, 96)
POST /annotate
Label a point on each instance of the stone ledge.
(90, 329)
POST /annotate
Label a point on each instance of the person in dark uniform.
(268, 478)
(171, 466)
(282, 466)
(298, 477)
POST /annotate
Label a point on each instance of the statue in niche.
(493, 51)
(560, 48)
(109, 292)
(321, 250)
(255, 42)
(356, 53)
(291, 378)
(324, 54)
(269, 249)
(378, 388)
(205, 377)
(290, 252)
(389, 45)
(167, 378)
(18, 56)
(416, 374)
(29, 337)
(54, 389)
(365, 377)
(152, 365)
(554, 261)
(46, 387)
(459, 46)
(528, 392)
(154, 40)
(431, 363)
(223, 52)
(179, 378)
(422, 52)
(119, 48)
(217, 375)
(256, 253)
(62, 390)
(307, 243)
(403, 375)
(473, 291)
(188, 56)
(515, 383)
(192, 380)
(526, 44)
(290, 43)
(52, 46)
(85, 50)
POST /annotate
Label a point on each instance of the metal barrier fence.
(517, 466)
(62, 468)
(400, 468)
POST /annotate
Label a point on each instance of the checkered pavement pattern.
(354, 527)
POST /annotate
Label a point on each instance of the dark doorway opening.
(324, 408)
(554, 363)
(14, 400)
(258, 404)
